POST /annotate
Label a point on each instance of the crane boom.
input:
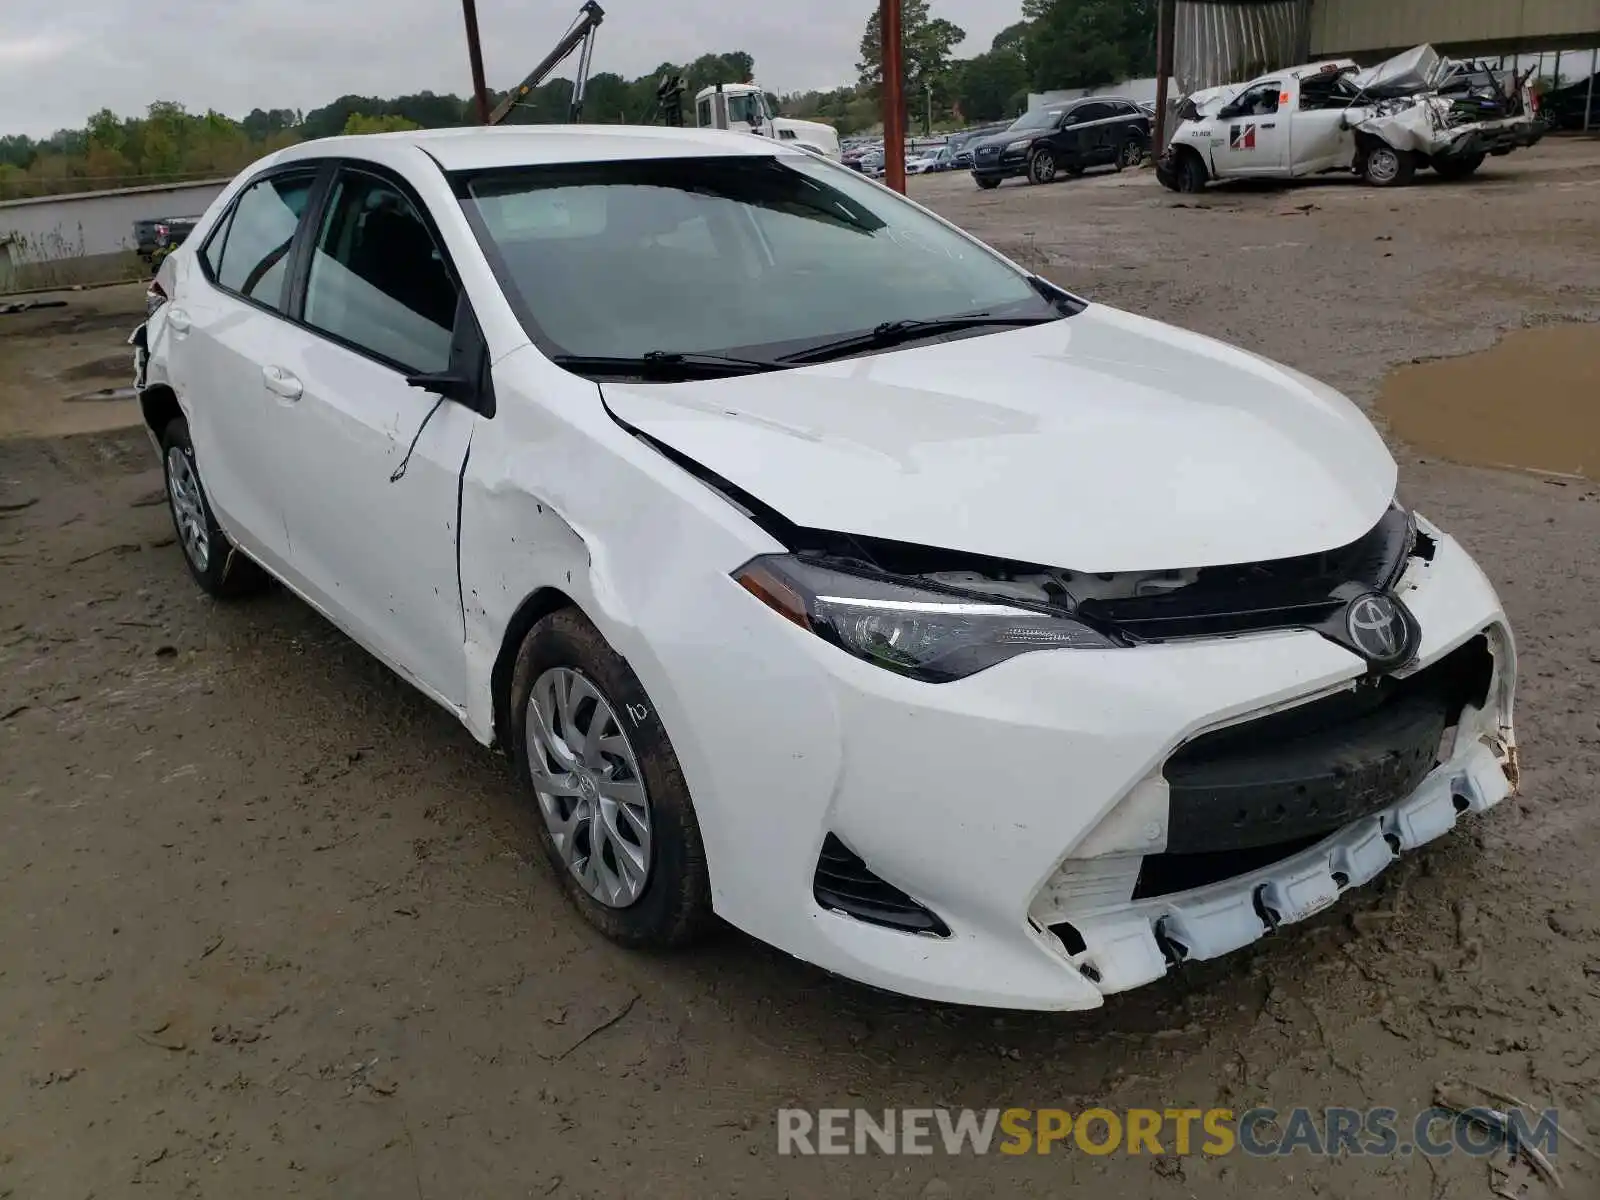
(580, 34)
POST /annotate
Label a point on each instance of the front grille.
(1285, 593)
(845, 884)
(1244, 796)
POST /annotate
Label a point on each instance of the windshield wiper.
(665, 364)
(896, 333)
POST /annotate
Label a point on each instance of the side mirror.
(466, 381)
(754, 118)
(451, 384)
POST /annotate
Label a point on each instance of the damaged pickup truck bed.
(1414, 111)
(821, 568)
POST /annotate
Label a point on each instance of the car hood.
(1003, 138)
(1101, 442)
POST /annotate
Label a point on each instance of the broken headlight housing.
(905, 627)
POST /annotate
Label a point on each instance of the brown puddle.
(1532, 401)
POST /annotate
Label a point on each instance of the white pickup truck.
(1415, 110)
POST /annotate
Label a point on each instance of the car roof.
(475, 147)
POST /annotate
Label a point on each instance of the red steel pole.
(894, 98)
(480, 90)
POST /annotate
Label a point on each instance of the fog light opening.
(1071, 940)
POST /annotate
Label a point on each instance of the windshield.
(743, 107)
(1042, 118)
(749, 256)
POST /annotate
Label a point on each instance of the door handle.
(282, 383)
(1269, 124)
(178, 320)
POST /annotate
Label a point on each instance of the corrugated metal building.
(1374, 28)
(87, 237)
(1221, 41)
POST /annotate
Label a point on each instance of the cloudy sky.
(60, 60)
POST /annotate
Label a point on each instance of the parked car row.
(1041, 146)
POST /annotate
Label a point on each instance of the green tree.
(361, 123)
(986, 86)
(926, 44)
(1088, 43)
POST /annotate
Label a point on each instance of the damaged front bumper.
(1019, 806)
(1123, 945)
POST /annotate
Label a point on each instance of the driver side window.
(378, 281)
(1259, 101)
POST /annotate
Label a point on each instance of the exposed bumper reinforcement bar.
(1132, 944)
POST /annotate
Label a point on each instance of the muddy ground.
(270, 924)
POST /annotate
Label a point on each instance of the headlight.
(929, 635)
(1021, 144)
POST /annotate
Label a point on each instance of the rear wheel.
(1131, 156)
(216, 564)
(617, 824)
(1458, 168)
(1384, 166)
(1042, 166)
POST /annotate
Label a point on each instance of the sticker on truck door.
(1242, 137)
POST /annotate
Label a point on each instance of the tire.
(1131, 155)
(987, 182)
(1458, 168)
(670, 906)
(1190, 174)
(217, 565)
(1042, 166)
(1384, 166)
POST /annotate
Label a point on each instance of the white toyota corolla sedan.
(821, 568)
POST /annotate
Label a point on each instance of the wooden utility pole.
(480, 90)
(894, 97)
(1166, 23)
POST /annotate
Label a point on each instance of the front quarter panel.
(556, 495)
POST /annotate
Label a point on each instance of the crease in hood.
(1101, 442)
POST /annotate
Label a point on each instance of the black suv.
(1092, 132)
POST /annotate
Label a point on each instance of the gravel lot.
(270, 923)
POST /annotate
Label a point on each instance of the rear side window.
(1091, 112)
(378, 280)
(213, 248)
(251, 254)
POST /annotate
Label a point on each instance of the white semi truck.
(744, 106)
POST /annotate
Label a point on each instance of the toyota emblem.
(1377, 627)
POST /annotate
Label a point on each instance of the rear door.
(1318, 140)
(226, 326)
(378, 462)
(1096, 126)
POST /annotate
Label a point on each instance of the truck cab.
(743, 106)
(1286, 124)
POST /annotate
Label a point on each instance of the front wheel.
(1042, 166)
(987, 182)
(616, 821)
(1384, 166)
(217, 566)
